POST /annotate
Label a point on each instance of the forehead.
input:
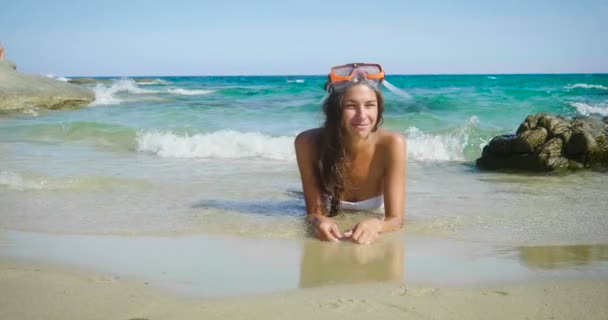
(360, 93)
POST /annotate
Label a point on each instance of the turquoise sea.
(181, 154)
(214, 156)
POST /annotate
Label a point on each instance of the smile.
(360, 125)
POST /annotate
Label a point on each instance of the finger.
(357, 233)
(348, 233)
(370, 237)
(329, 236)
(336, 232)
(374, 238)
(364, 237)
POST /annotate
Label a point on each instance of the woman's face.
(359, 111)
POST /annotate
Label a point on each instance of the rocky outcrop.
(545, 142)
(20, 92)
(107, 81)
(83, 81)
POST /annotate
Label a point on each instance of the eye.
(371, 105)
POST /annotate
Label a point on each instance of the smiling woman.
(349, 162)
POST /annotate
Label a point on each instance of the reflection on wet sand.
(552, 257)
(327, 263)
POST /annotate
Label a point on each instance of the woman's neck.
(356, 145)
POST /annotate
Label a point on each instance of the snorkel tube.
(396, 90)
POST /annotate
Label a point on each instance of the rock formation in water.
(21, 92)
(546, 142)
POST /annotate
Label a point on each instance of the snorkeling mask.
(343, 76)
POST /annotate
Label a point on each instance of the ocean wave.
(14, 181)
(589, 109)
(109, 94)
(448, 146)
(99, 134)
(151, 82)
(585, 86)
(52, 76)
(186, 92)
(224, 144)
(296, 81)
(492, 77)
(32, 181)
(459, 144)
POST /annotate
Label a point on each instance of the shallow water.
(212, 157)
(212, 265)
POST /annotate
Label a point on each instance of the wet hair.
(332, 149)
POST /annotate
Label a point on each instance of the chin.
(362, 134)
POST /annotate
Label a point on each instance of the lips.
(360, 125)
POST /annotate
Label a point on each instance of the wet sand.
(40, 291)
(61, 276)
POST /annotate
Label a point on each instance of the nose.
(359, 111)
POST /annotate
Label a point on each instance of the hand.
(365, 232)
(326, 229)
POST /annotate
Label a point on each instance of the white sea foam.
(186, 92)
(107, 94)
(104, 95)
(439, 147)
(224, 144)
(227, 144)
(585, 86)
(52, 76)
(15, 181)
(152, 82)
(296, 81)
(589, 109)
(492, 77)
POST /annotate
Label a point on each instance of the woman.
(350, 163)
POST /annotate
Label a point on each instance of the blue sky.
(128, 38)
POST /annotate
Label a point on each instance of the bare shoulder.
(307, 138)
(391, 141)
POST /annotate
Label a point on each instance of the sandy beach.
(42, 291)
(59, 276)
(164, 200)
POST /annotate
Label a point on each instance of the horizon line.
(324, 75)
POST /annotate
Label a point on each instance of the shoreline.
(210, 265)
(34, 291)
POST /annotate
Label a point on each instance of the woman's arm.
(394, 154)
(394, 183)
(307, 155)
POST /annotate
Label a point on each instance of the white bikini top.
(372, 204)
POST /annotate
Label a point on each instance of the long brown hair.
(332, 149)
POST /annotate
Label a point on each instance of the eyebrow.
(355, 101)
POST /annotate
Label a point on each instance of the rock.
(144, 80)
(550, 155)
(546, 142)
(529, 140)
(550, 122)
(83, 81)
(22, 92)
(581, 142)
(530, 123)
(525, 162)
(89, 81)
(600, 152)
(500, 145)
